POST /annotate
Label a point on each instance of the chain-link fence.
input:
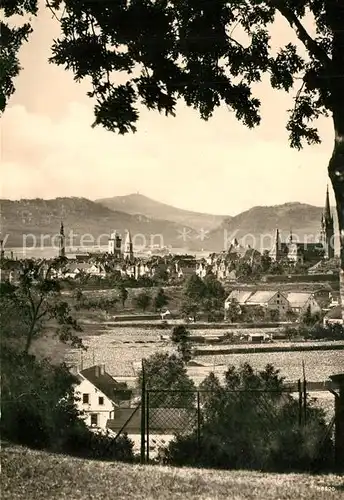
(240, 420)
(161, 421)
(175, 414)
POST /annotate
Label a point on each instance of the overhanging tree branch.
(310, 44)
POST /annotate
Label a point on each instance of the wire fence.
(161, 416)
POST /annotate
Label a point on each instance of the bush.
(38, 410)
(250, 422)
(84, 443)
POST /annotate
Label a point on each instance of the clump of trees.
(168, 374)
(317, 332)
(310, 319)
(203, 295)
(160, 300)
(181, 338)
(35, 304)
(38, 405)
(251, 422)
(143, 300)
(102, 303)
(39, 410)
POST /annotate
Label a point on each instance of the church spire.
(328, 228)
(129, 250)
(327, 213)
(62, 248)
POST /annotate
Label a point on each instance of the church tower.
(128, 248)
(2, 250)
(322, 238)
(328, 229)
(115, 245)
(62, 242)
(276, 250)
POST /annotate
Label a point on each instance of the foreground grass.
(32, 475)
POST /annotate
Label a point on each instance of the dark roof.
(335, 313)
(103, 382)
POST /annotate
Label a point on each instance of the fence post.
(304, 401)
(198, 423)
(300, 401)
(338, 381)
(147, 427)
(143, 415)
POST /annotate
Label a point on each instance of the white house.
(74, 269)
(268, 299)
(96, 395)
(301, 301)
(239, 296)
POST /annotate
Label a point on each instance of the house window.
(94, 419)
(85, 399)
(277, 301)
(101, 400)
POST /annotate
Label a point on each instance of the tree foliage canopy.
(251, 421)
(35, 302)
(207, 52)
(164, 372)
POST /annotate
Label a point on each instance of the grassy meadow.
(35, 475)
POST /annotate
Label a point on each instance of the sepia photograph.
(172, 249)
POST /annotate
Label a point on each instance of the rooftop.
(298, 299)
(261, 296)
(103, 381)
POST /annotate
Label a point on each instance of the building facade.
(115, 245)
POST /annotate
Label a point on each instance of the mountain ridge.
(257, 223)
(38, 217)
(136, 203)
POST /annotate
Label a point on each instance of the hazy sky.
(219, 166)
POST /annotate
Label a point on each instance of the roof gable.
(262, 296)
(240, 296)
(299, 299)
(103, 382)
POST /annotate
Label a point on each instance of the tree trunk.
(336, 173)
(29, 337)
(335, 18)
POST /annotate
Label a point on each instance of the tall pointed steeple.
(2, 250)
(328, 228)
(276, 251)
(322, 238)
(327, 213)
(62, 242)
(129, 249)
